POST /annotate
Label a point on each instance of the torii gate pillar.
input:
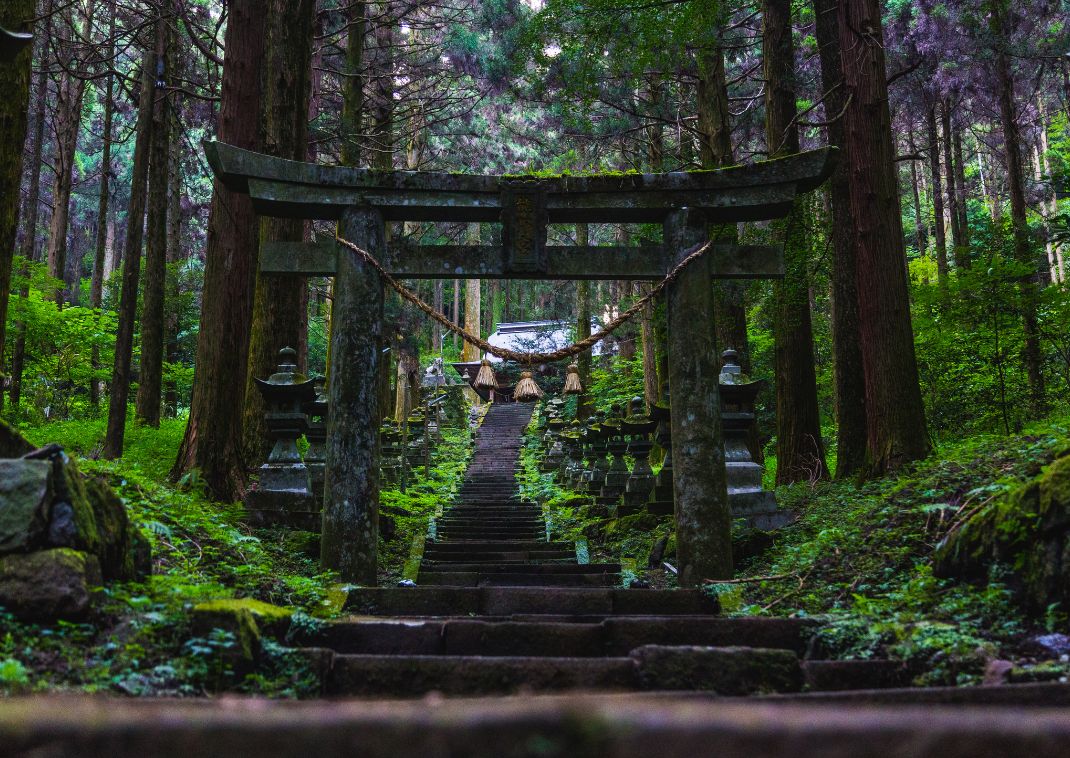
(350, 536)
(703, 516)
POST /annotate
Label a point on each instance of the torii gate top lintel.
(524, 205)
(294, 189)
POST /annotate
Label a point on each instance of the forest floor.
(858, 558)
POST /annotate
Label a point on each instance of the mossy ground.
(140, 637)
(859, 556)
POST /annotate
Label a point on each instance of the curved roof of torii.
(293, 189)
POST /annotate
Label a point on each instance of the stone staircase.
(490, 537)
(500, 609)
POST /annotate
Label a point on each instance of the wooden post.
(351, 488)
(703, 516)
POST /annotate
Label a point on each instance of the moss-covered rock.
(236, 620)
(246, 618)
(1027, 529)
(25, 504)
(48, 584)
(87, 515)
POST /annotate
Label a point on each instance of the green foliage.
(859, 557)
(616, 381)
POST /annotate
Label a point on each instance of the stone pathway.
(491, 538)
(500, 609)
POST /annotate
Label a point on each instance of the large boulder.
(25, 504)
(1028, 529)
(46, 502)
(48, 584)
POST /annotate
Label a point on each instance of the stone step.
(723, 670)
(500, 521)
(500, 546)
(490, 533)
(621, 726)
(415, 676)
(506, 601)
(519, 579)
(531, 568)
(519, 557)
(609, 637)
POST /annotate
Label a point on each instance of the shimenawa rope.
(529, 358)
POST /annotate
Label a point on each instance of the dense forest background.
(133, 278)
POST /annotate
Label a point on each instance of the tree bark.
(938, 196)
(715, 151)
(800, 449)
(895, 414)
(212, 442)
(96, 286)
(150, 379)
(135, 228)
(68, 120)
(353, 84)
(280, 305)
(14, 109)
(957, 233)
(175, 253)
(962, 248)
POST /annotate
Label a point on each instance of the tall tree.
(96, 286)
(848, 379)
(213, 438)
(280, 305)
(895, 415)
(800, 449)
(150, 380)
(1023, 249)
(70, 91)
(715, 151)
(937, 194)
(135, 231)
(14, 105)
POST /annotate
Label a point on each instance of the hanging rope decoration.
(530, 359)
(527, 391)
(573, 386)
(485, 379)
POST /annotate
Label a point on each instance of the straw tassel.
(572, 381)
(527, 391)
(485, 379)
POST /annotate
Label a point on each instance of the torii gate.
(361, 200)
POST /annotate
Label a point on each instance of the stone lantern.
(283, 493)
(743, 475)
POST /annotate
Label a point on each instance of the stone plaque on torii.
(362, 200)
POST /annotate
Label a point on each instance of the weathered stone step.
(609, 637)
(506, 601)
(532, 568)
(563, 726)
(519, 557)
(500, 546)
(724, 670)
(518, 579)
(466, 535)
(415, 676)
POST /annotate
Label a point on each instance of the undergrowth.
(138, 638)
